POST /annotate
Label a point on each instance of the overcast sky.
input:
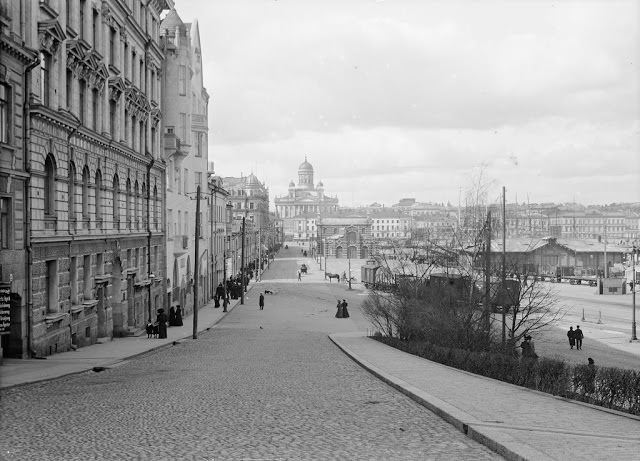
(407, 98)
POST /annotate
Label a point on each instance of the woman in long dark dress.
(172, 316)
(345, 311)
(339, 312)
(162, 323)
(179, 316)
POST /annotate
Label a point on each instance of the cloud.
(406, 97)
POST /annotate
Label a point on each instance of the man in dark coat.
(578, 335)
(261, 302)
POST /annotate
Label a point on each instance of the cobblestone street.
(261, 385)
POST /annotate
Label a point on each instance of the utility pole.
(349, 267)
(503, 290)
(195, 267)
(242, 266)
(487, 273)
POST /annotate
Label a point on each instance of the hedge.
(613, 388)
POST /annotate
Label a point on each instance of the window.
(112, 45)
(72, 191)
(113, 108)
(52, 286)
(98, 195)
(73, 276)
(5, 117)
(116, 199)
(156, 206)
(69, 90)
(126, 61)
(126, 125)
(86, 277)
(82, 93)
(182, 80)
(199, 137)
(128, 203)
(85, 193)
(136, 211)
(186, 181)
(45, 75)
(5, 222)
(95, 24)
(95, 100)
(183, 127)
(83, 7)
(170, 222)
(49, 186)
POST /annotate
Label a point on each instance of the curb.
(121, 360)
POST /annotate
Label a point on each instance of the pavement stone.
(270, 385)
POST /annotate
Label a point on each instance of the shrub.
(608, 387)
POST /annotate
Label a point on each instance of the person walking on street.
(578, 335)
(261, 302)
(339, 311)
(345, 311)
(572, 337)
(299, 275)
(161, 319)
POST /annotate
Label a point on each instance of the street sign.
(5, 308)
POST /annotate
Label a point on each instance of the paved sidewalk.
(14, 372)
(515, 422)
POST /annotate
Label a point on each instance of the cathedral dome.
(305, 167)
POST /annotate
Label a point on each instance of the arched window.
(143, 195)
(50, 186)
(156, 205)
(98, 196)
(72, 192)
(129, 198)
(136, 210)
(85, 193)
(116, 202)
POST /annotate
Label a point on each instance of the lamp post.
(634, 253)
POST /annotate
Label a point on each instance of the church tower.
(305, 175)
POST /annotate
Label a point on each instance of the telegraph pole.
(242, 266)
(635, 252)
(487, 273)
(504, 265)
(195, 267)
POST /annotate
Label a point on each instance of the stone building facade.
(95, 230)
(303, 199)
(16, 64)
(185, 132)
(345, 237)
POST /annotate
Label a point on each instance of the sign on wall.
(5, 308)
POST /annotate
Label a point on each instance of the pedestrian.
(579, 336)
(526, 348)
(178, 321)
(172, 316)
(345, 311)
(339, 312)
(261, 302)
(572, 337)
(161, 319)
(590, 385)
(299, 275)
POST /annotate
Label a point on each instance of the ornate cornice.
(86, 64)
(116, 88)
(50, 35)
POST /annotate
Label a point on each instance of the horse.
(332, 276)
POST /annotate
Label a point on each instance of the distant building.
(303, 199)
(345, 237)
(185, 152)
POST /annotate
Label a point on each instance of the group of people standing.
(159, 329)
(528, 348)
(575, 337)
(343, 312)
